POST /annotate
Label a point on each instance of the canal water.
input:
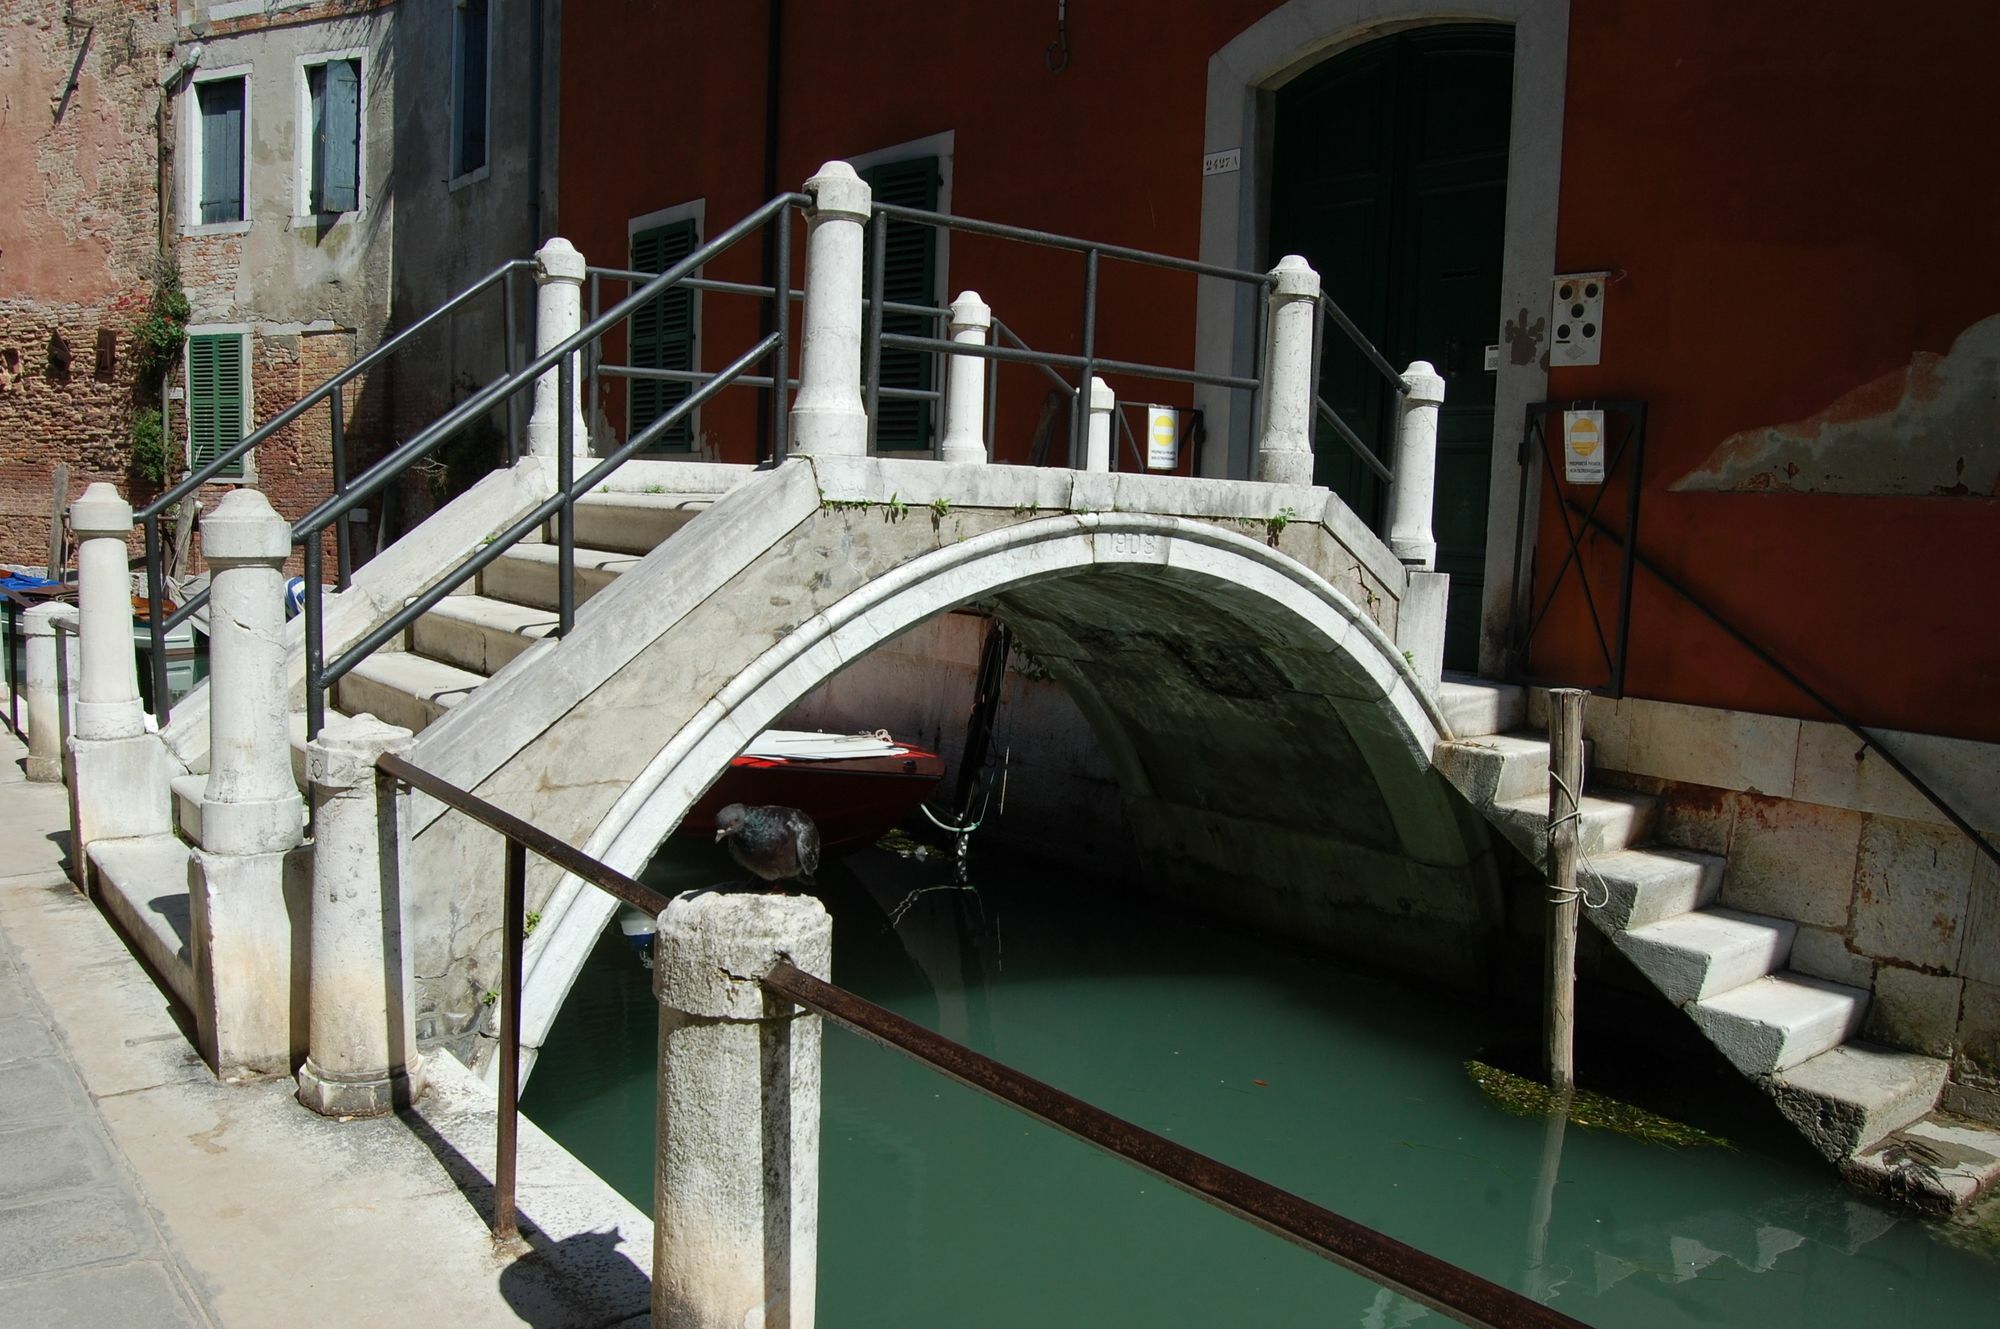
(939, 1206)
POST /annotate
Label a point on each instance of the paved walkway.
(136, 1190)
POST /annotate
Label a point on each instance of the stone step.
(1849, 1097)
(1612, 821)
(1644, 886)
(142, 884)
(1476, 706)
(478, 633)
(404, 689)
(527, 574)
(189, 790)
(1939, 1163)
(1707, 952)
(1777, 1022)
(633, 523)
(1496, 768)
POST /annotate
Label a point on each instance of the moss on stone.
(1530, 1098)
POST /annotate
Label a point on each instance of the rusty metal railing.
(521, 837)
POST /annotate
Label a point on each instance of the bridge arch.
(1257, 650)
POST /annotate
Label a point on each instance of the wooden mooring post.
(1565, 828)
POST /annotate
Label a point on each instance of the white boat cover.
(803, 745)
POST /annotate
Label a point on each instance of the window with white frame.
(470, 55)
(221, 134)
(330, 156)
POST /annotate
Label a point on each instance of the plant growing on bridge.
(940, 509)
(1275, 524)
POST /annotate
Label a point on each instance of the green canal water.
(939, 1206)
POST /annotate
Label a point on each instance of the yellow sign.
(1163, 438)
(1583, 447)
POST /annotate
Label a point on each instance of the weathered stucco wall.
(79, 225)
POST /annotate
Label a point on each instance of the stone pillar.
(965, 394)
(51, 678)
(736, 1186)
(246, 901)
(251, 803)
(1098, 429)
(828, 419)
(120, 769)
(1420, 616)
(1284, 451)
(1410, 493)
(362, 1047)
(559, 275)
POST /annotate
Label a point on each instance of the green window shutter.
(663, 336)
(470, 113)
(215, 399)
(909, 276)
(336, 135)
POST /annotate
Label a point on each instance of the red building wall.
(1793, 211)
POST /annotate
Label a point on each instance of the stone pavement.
(136, 1190)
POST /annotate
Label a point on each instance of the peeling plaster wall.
(78, 225)
(1799, 232)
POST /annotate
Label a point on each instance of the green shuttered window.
(215, 398)
(468, 118)
(335, 89)
(909, 276)
(663, 336)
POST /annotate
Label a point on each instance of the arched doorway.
(1389, 167)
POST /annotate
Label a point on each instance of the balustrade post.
(51, 684)
(119, 768)
(559, 272)
(965, 395)
(1284, 450)
(362, 1045)
(1097, 433)
(828, 419)
(736, 1182)
(248, 900)
(1410, 493)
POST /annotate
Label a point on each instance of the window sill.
(473, 177)
(322, 221)
(217, 228)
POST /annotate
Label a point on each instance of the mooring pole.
(1565, 816)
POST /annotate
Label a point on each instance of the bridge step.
(479, 633)
(631, 523)
(404, 689)
(1777, 1022)
(1847, 1098)
(528, 574)
(1611, 822)
(1499, 768)
(142, 883)
(1476, 706)
(1707, 952)
(1645, 886)
(1938, 1162)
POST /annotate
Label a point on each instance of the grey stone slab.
(14, 998)
(49, 1156)
(140, 1295)
(30, 1090)
(66, 1231)
(24, 1037)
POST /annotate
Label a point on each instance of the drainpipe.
(767, 316)
(535, 75)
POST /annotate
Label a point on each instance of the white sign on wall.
(1219, 163)
(1583, 447)
(1163, 438)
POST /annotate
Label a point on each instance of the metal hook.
(1056, 57)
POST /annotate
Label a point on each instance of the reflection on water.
(939, 1206)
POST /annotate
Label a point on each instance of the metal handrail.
(1327, 307)
(149, 516)
(1438, 1284)
(561, 358)
(521, 836)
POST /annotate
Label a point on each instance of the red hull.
(853, 801)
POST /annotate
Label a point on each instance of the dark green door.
(1389, 173)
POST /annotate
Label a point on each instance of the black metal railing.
(159, 619)
(1579, 520)
(1438, 1284)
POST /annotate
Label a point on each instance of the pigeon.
(775, 844)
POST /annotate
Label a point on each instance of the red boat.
(855, 787)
